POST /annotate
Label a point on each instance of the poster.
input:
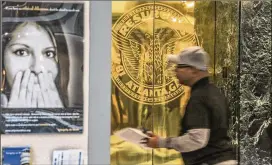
(16, 156)
(42, 67)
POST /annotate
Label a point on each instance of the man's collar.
(201, 82)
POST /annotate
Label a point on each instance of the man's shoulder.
(204, 90)
(208, 89)
(208, 93)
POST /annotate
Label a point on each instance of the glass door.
(145, 92)
(132, 77)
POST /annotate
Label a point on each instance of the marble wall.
(218, 32)
(226, 59)
(240, 49)
(255, 82)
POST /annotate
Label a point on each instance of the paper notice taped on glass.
(132, 135)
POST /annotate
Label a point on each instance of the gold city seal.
(142, 38)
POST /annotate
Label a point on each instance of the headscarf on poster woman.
(35, 66)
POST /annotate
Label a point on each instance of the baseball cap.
(192, 56)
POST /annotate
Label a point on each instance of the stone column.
(226, 58)
(255, 82)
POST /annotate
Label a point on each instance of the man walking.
(203, 139)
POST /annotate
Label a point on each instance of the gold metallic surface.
(145, 92)
(142, 37)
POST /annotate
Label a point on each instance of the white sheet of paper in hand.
(132, 135)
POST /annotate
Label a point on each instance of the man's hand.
(152, 142)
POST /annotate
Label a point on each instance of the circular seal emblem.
(141, 40)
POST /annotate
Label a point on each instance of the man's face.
(184, 74)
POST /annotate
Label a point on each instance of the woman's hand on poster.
(4, 100)
(21, 92)
(30, 91)
(49, 96)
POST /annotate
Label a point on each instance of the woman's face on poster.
(31, 48)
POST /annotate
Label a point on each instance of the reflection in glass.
(173, 31)
(145, 92)
(130, 51)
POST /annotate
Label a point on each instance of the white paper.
(132, 135)
(67, 157)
